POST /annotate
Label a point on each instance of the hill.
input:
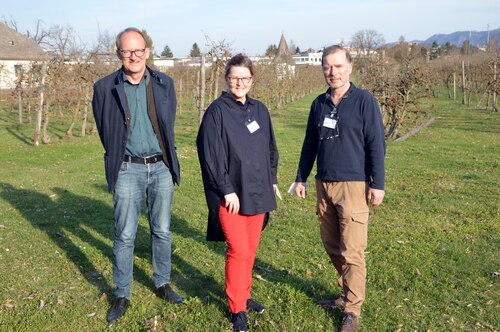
(457, 38)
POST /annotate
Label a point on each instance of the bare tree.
(364, 42)
(40, 34)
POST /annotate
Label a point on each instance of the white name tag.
(329, 123)
(253, 126)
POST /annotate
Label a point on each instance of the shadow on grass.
(269, 272)
(15, 132)
(82, 218)
(70, 220)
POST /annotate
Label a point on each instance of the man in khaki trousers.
(345, 135)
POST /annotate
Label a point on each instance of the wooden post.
(454, 86)
(85, 109)
(179, 101)
(463, 82)
(20, 104)
(216, 82)
(495, 109)
(41, 100)
(202, 89)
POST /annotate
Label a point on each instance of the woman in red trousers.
(239, 160)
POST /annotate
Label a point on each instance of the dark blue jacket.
(112, 118)
(357, 153)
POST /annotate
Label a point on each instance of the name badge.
(253, 126)
(329, 123)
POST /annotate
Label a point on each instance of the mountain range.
(457, 38)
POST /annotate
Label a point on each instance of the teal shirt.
(142, 141)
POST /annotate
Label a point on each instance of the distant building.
(308, 58)
(16, 52)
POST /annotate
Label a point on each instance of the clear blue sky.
(250, 26)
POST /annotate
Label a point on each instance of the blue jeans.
(135, 182)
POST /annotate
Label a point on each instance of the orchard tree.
(195, 51)
(149, 44)
(292, 47)
(271, 50)
(167, 52)
(434, 51)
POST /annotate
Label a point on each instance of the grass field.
(433, 256)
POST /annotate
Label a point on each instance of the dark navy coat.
(112, 118)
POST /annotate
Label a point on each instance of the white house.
(16, 52)
(308, 58)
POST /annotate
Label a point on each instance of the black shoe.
(253, 305)
(118, 309)
(168, 294)
(239, 321)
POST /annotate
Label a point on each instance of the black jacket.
(112, 117)
(234, 160)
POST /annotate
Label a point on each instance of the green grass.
(433, 244)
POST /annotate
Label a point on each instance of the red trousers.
(242, 238)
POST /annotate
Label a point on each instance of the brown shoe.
(349, 322)
(337, 301)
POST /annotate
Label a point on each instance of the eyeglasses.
(244, 80)
(128, 53)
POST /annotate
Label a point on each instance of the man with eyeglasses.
(134, 110)
(345, 135)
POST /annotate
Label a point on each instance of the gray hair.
(131, 29)
(334, 49)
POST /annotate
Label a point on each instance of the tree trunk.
(41, 99)
(29, 111)
(202, 89)
(69, 132)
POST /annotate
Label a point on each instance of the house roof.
(16, 46)
(283, 54)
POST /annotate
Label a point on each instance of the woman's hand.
(232, 203)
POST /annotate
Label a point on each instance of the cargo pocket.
(360, 216)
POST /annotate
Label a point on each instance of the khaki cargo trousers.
(343, 211)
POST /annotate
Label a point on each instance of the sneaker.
(118, 309)
(239, 321)
(253, 305)
(337, 301)
(168, 294)
(349, 322)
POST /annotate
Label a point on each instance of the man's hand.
(375, 196)
(232, 203)
(300, 189)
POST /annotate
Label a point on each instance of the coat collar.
(230, 101)
(153, 74)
